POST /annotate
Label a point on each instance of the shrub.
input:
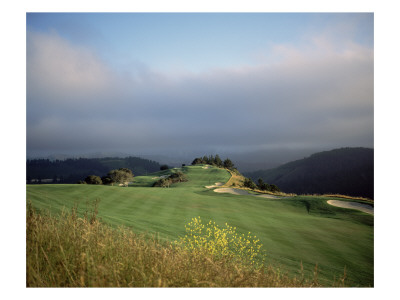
(173, 178)
(122, 175)
(178, 177)
(274, 188)
(163, 182)
(106, 180)
(93, 179)
(249, 183)
(218, 242)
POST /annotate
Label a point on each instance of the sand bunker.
(162, 176)
(243, 192)
(369, 209)
(232, 191)
(217, 184)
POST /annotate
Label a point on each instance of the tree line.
(215, 161)
(75, 169)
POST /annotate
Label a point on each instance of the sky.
(198, 83)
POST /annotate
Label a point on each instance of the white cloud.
(315, 94)
(59, 71)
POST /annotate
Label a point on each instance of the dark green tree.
(274, 188)
(122, 176)
(106, 180)
(228, 164)
(93, 179)
(197, 161)
(266, 187)
(249, 183)
(260, 183)
(218, 161)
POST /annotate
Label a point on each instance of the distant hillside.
(72, 170)
(348, 171)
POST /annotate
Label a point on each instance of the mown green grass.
(293, 231)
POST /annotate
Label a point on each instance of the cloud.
(56, 68)
(311, 95)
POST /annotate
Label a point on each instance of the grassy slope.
(294, 230)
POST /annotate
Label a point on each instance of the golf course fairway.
(294, 231)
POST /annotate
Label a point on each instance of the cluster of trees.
(91, 179)
(215, 161)
(261, 185)
(249, 183)
(120, 176)
(173, 178)
(266, 187)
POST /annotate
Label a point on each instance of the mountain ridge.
(348, 171)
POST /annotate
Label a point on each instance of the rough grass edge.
(69, 251)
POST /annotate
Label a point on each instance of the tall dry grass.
(72, 251)
(237, 181)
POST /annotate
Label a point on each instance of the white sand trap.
(369, 209)
(243, 192)
(217, 184)
(232, 191)
(206, 167)
(268, 196)
(162, 176)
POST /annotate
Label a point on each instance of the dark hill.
(347, 171)
(73, 170)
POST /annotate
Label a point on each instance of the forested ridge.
(348, 171)
(73, 170)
